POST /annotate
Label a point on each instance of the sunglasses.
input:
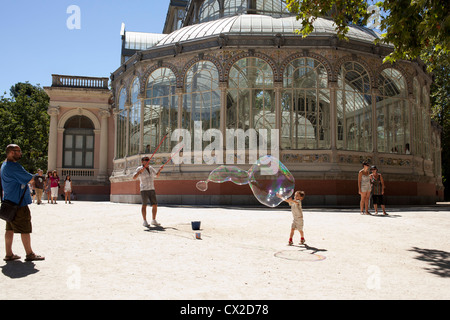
(146, 159)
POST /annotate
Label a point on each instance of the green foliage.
(24, 121)
(414, 26)
(410, 26)
(440, 110)
(343, 12)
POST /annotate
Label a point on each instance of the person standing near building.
(146, 175)
(67, 188)
(15, 181)
(38, 181)
(47, 188)
(377, 183)
(297, 215)
(54, 185)
(364, 187)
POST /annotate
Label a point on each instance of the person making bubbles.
(297, 215)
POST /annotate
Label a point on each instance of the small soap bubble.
(202, 185)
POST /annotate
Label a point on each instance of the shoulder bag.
(9, 209)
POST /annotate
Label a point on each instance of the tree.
(342, 12)
(410, 26)
(417, 29)
(440, 111)
(24, 121)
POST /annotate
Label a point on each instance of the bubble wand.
(170, 158)
(164, 138)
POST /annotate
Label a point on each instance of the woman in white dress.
(364, 188)
(68, 188)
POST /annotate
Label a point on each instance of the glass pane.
(78, 159)
(122, 99)
(79, 142)
(68, 141)
(90, 142)
(67, 158)
(89, 159)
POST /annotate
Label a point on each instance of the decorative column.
(275, 145)
(53, 138)
(141, 98)
(127, 134)
(116, 113)
(223, 85)
(333, 85)
(179, 93)
(103, 156)
(375, 92)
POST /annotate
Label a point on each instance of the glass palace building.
(238, 64)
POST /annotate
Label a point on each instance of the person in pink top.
(54, 185)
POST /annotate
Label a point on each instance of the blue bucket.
(195, 225)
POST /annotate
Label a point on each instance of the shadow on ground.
(18, 269)
(438, 261)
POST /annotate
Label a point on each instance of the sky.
(39, 38)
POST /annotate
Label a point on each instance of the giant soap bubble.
(270, 181)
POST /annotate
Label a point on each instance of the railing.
(79, 82)
(78, 172)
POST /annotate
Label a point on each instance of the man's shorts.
(148, 195)
(378, 199)
(22, 222)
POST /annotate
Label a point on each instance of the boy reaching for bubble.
(297, 214)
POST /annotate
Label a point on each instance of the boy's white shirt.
(296, 206)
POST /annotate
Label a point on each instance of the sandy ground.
(100, 250)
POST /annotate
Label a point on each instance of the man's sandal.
(11, 258)
(33, 257)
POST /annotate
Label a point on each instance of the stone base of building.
(90, 192)
(318, 193)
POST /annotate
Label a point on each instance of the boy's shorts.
(148, 195)
(22, 222)
(297, 225)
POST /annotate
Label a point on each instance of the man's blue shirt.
(14, 181)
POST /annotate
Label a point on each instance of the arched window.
(202, 98)
(354, 108)
(121, 125)
(250, 100)
(274, 8)
(160, 110)
(392, 112)
(305, 106)
(234, 7)
(135, 119)
(78, 143)
(209, 10)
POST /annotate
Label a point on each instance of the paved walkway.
(100, 250)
